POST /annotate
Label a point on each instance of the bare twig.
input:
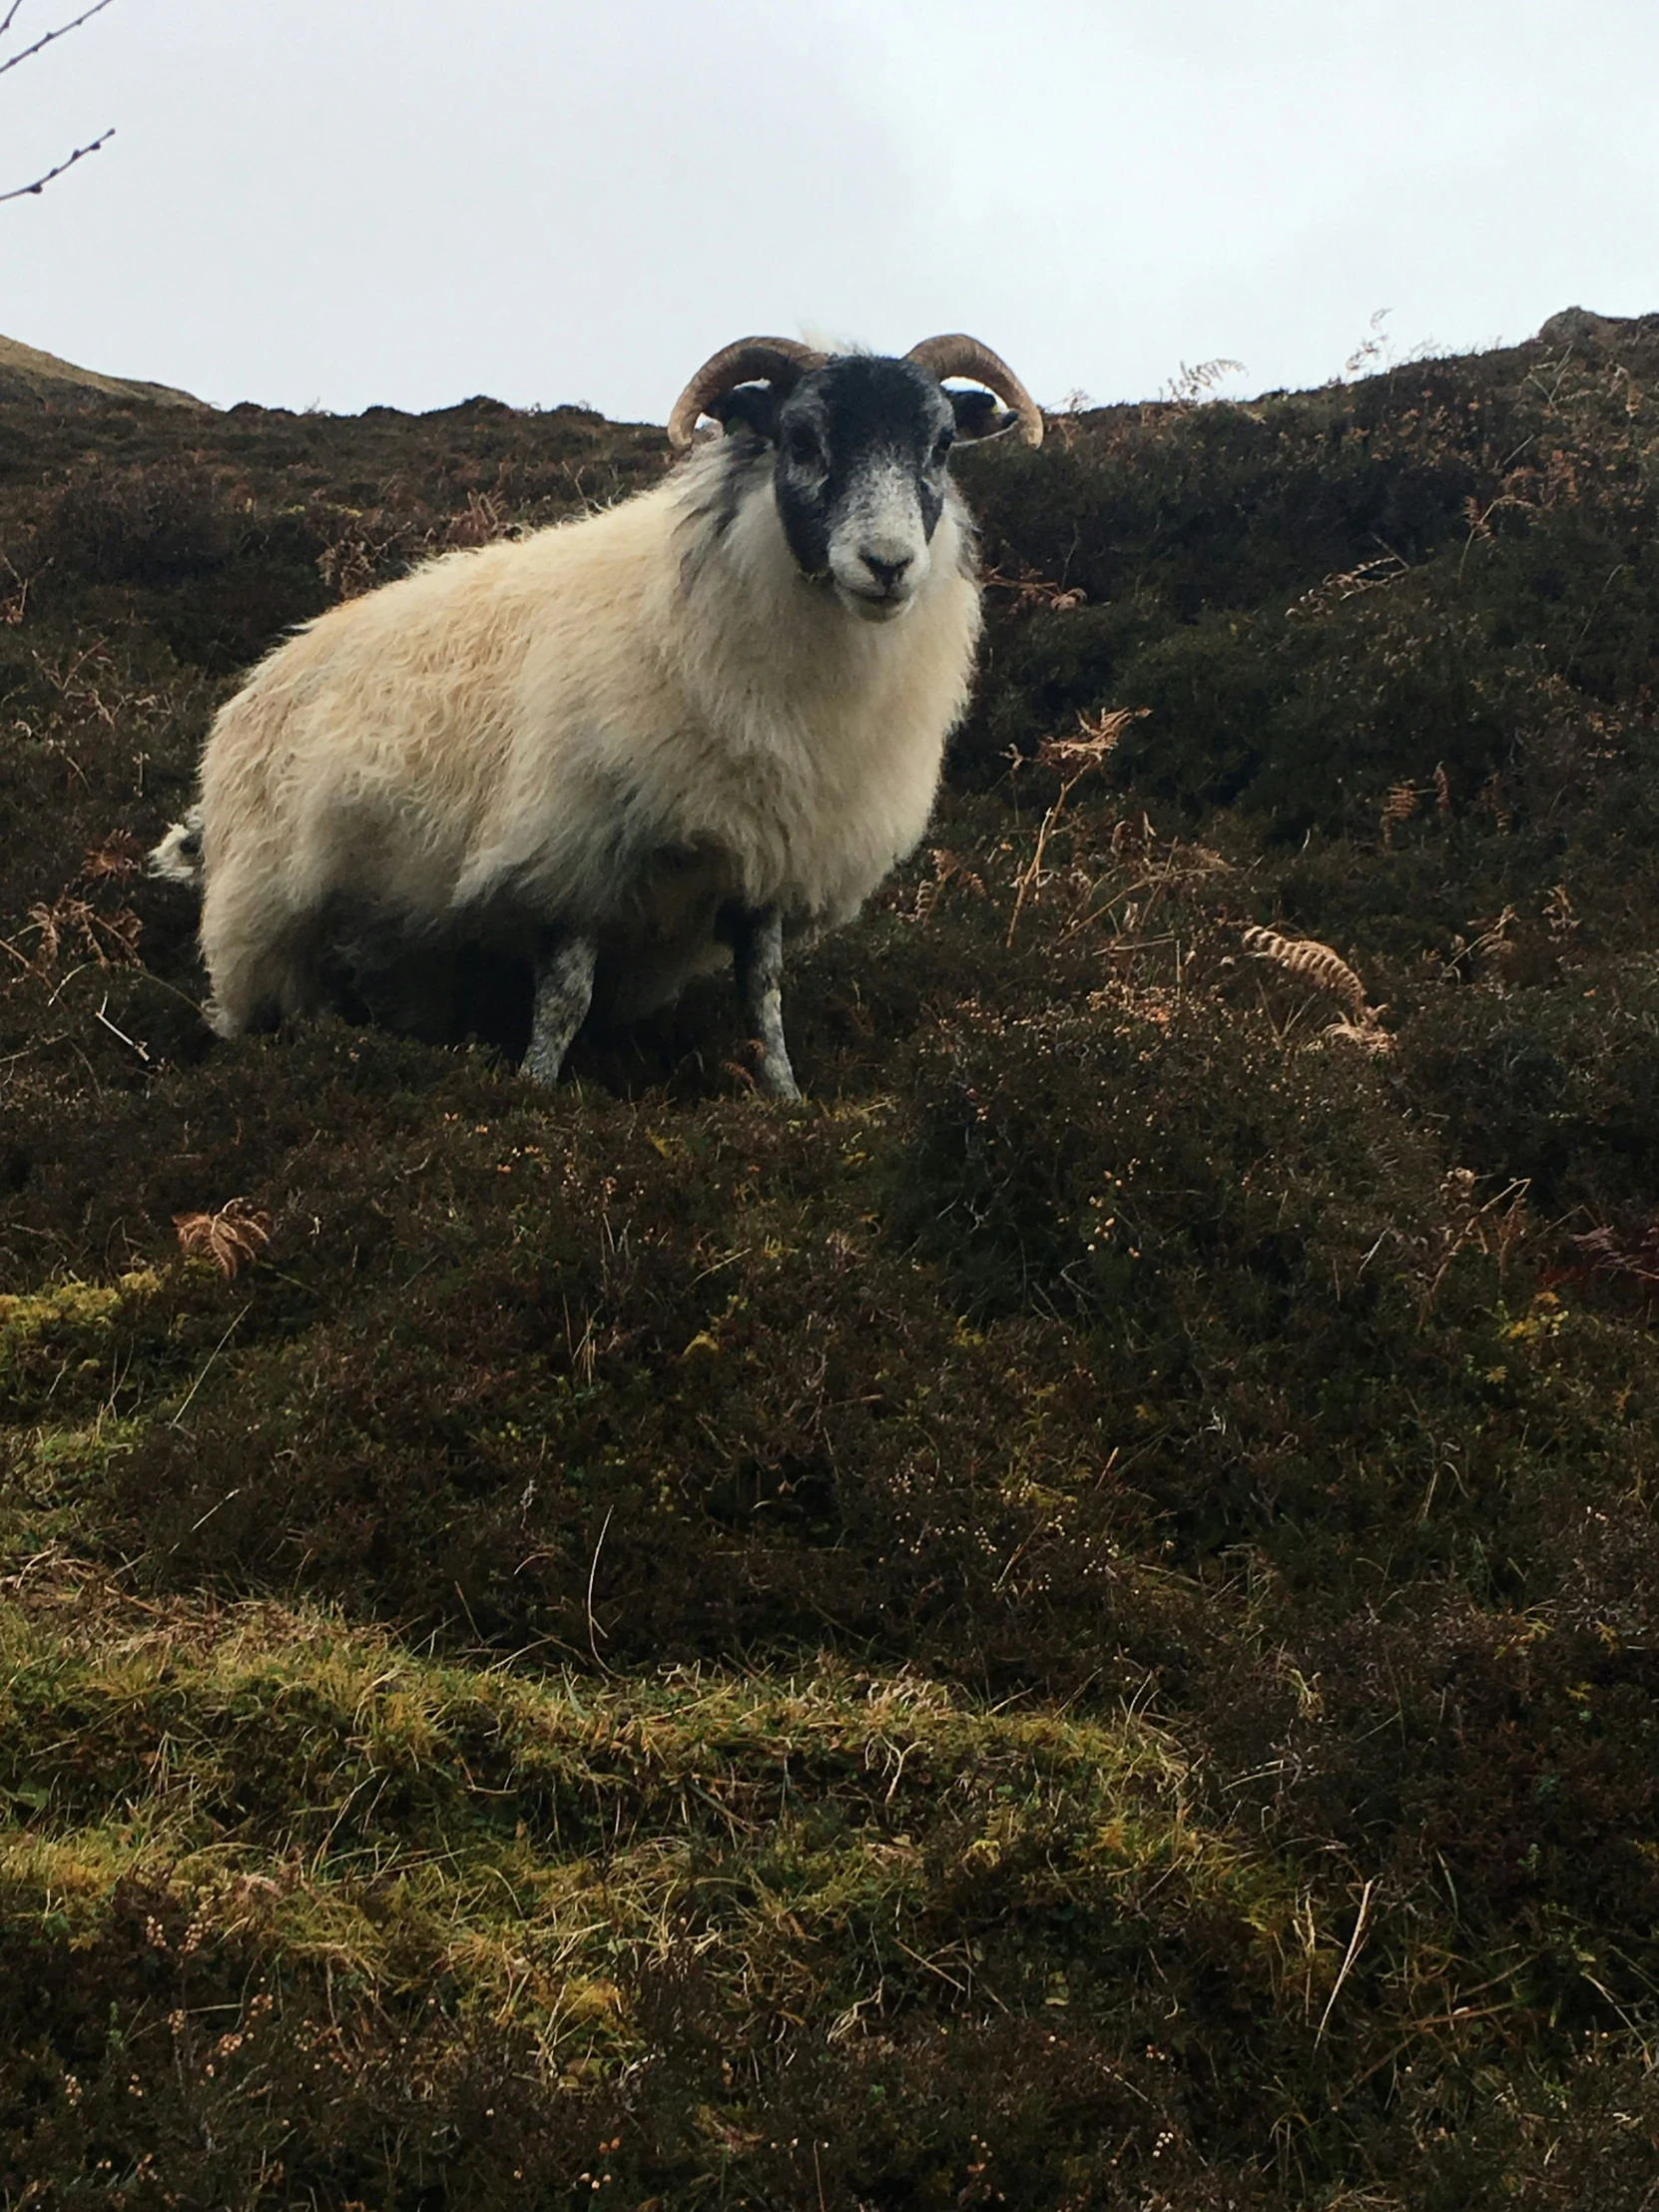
(27, 53)
(46, 38)
(23, 191)
(143, 1050)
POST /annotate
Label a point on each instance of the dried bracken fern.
(1559, 918)
(229, 1238)
(1369, 1036)
(1311, 962)
(1346, 583)
(356, 559)
(1192, 385)
(1074, 758)
(948, 868)
(14, 604)
(1131, 839)
(1400, 805)
(110, 940)
(1373, 351)
(1326, 969)
(480, 522)
(1030, 590)
(1493, 799)
(114, 860)
(1634, 1262)
(1093, 745)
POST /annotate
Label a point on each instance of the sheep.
(629, 746)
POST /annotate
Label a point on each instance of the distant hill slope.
(27, 373)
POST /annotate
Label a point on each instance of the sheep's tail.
(179, 855)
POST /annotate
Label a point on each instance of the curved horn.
(781, 362)
(958, 355)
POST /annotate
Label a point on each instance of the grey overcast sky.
(340, 201)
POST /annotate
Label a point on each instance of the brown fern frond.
(233, 1234)
(1369, 1035)
(950, 868)
(113, 939)
(1314, 963)
(1442, 789)
(110, 940)
(1347, 583)
(1074, 758)
(1031, 589)
(114, 861)
(1400, 805)
(50, 937)
(1559, 918)
(1636, 1261)
(1089, 750)
(1493, 799)
(480, 522)
(1193, 383)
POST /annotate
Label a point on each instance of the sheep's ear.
(979, 415)
(747, 408)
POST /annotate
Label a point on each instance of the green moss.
(68, 1320)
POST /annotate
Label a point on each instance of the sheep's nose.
(887, 573)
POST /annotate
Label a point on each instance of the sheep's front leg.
(759, 958)
(564, 991)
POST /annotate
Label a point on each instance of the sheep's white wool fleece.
(531, 721)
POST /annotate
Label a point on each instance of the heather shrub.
(1070, 1624)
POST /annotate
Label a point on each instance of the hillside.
(26, 374)
(1074, 1623)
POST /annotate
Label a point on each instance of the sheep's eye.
(941, 447)
(803, 447)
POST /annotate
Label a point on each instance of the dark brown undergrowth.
(1069, 1625)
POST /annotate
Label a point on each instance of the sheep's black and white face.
(863, 453)
(863, 449)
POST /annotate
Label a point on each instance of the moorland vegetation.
(1074, 1622)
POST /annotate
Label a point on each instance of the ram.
(631, 747)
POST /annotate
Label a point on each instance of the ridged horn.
(956, 355)
(779, 361)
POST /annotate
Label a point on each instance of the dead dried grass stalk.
(1495, 1226)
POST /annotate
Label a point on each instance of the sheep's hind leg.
(758, 956)
(564, 991)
